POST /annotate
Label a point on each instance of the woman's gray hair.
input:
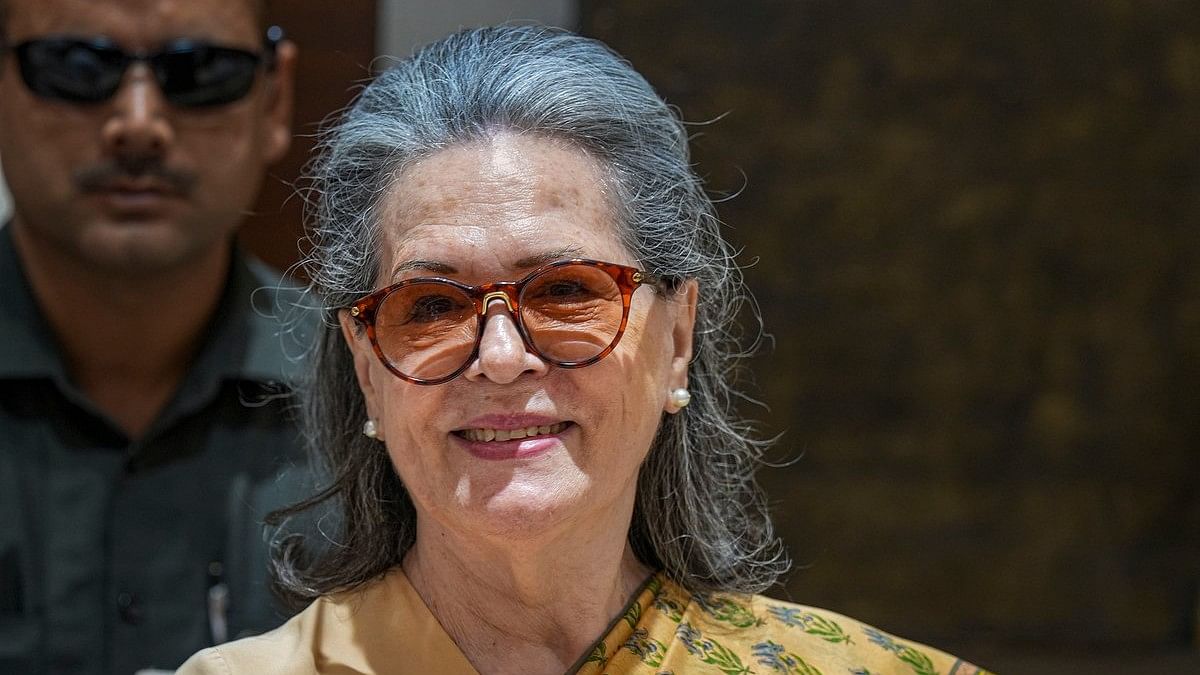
(699, 515)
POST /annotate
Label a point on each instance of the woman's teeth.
(485, 435)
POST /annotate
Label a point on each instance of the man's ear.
(682, 332)
(280, 101)
(364, 357)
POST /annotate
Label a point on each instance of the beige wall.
(405, 24)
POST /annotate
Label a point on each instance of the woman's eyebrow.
(426, 265)
(540, 259)
(527, 262)
(438, 267)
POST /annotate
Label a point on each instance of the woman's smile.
(489, 435)
(517, 436)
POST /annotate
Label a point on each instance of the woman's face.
(493, 211)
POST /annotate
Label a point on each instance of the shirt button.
(129, 608)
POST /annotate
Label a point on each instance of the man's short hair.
(261, 13)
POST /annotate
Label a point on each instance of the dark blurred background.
(975, 226)
(973, 229)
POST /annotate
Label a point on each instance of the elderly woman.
(523, 393)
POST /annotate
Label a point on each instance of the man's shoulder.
(270, 279)
(273, 295)
(29, 345)
(280, 322)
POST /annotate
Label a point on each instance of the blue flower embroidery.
(883, 640)
(638, 644)
(689, 637)
(789, 616)
(771, 654)
(809, 622)
(667, 606)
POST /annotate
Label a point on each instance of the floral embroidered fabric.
(667, 630)
(385, 627)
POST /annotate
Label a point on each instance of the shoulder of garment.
(382, 627)
(385, 628)
(668, 630)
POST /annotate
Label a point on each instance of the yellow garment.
(382, 628)
(385, 628)
(668, 630)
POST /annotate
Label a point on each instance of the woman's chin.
(523, 508)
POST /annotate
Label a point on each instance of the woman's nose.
(503, 356)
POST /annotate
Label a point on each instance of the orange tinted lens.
(426, 330)
(572, 313)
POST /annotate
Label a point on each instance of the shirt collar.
(28, 348)
(257, 333)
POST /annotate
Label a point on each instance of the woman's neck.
(524, 607)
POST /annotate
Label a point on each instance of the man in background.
(143, 423)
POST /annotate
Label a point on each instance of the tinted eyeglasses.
(570, 313)
(190, 73)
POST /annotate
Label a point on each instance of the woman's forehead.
(494, 250)
(514, 193)
(506, 167)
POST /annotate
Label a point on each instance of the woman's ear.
(681, 337)
(364, 359)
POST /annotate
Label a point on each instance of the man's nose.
(138, 126)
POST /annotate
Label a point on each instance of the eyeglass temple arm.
(658, 280)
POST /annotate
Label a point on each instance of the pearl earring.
(370, 430)
(680, 397)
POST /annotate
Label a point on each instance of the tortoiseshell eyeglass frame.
(628, 279)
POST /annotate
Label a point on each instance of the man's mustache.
(112, 174)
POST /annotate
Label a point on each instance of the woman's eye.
(563, 289)
(431, 308)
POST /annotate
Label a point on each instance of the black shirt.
(118, 555)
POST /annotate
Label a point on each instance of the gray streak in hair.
(699, 515)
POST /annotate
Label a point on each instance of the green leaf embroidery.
(826, 629)
(710, 651)
(917, 660)
(598, 655)
(727, 661)
(633, 614)
(810, 622)
(655, 585)
(725, 609)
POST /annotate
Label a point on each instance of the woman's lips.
(486, 435)
(512, 443)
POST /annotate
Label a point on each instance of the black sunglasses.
(190, 73)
